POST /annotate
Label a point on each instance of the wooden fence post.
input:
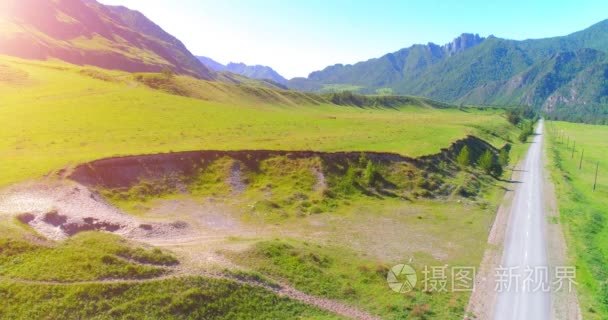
(596, 169)
(573, 148)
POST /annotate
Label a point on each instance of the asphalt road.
(523, 278)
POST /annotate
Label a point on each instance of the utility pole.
(595, 182)
(580, 164)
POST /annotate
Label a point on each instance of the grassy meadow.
(180, 298)
(583, 212)
(346, 255)
(341, 275)
(54, 114)
(337, 240)
(85, 257)
(97, 275)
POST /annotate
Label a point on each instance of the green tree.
(503, 157)
(513, 116)
(347, 184)
(369, 174)
(464, 157)
(362, 159)
(523, 136)
(527, 129)
(486, 162)
(497, 169)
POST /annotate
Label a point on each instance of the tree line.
(488, 162)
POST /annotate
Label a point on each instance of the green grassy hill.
(56, 114)
(100, 276)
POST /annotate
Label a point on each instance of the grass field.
(583, 212)
(87, 256)
(55, 114)
(182, 298)
(88, 277)
(343, 250)
(346, 256)
(340, 274)
(337, 240)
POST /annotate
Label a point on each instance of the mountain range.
(254, 72)
(87, 32)
(565, 76)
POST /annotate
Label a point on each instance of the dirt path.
(280, 289)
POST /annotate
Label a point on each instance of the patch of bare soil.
(58, 209)
(235, 179)
(385, 236)
(209, 221)
(320, 183)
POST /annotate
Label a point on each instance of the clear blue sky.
(296, 37)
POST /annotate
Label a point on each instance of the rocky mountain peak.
(463, 42)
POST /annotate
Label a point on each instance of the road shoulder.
(564, 304)
(483, 299)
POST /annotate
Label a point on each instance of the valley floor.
(241, 234)
(334, 260)
(54, 114)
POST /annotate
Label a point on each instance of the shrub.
(526, 131)
(369, 174)
(486, 162)
(503, 157)
(346, 185)
(464, 157)
(497, 169)
(513, 117)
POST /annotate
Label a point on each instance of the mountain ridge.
(257, 71)
(88, 32)
(477, 70)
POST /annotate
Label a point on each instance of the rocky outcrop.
(462, 43)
